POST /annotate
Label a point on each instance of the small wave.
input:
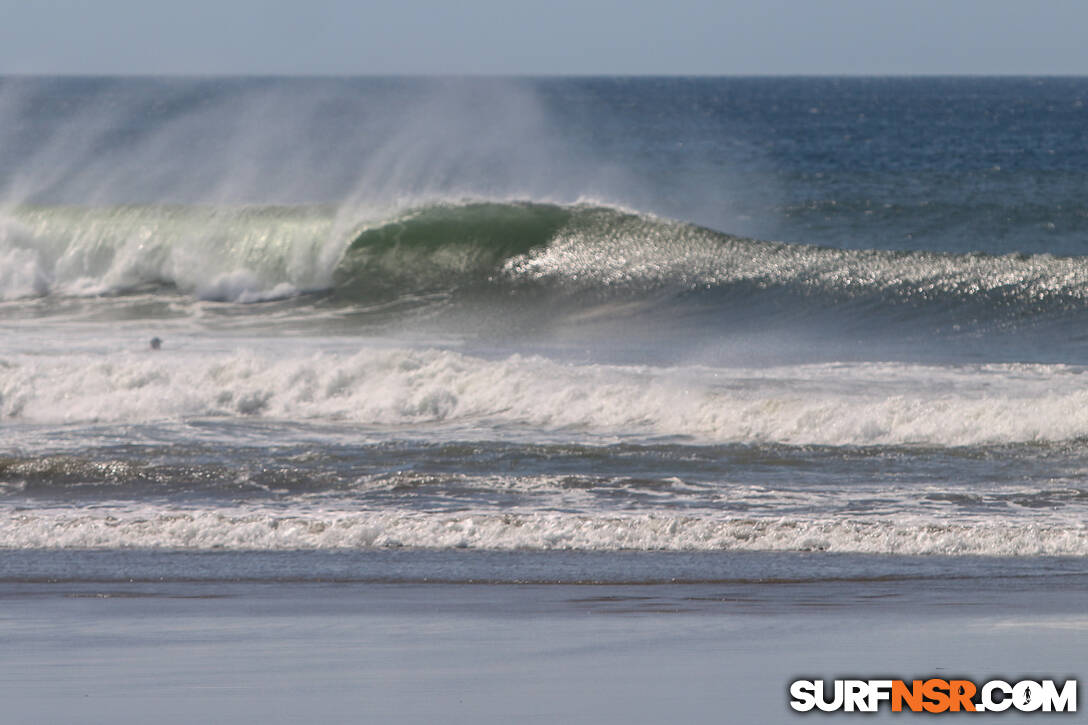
(830, 404)
(241, 529)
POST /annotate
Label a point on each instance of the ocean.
(737, 334)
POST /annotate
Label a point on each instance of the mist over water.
(108, 141)
(246, 190)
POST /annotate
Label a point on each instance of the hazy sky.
(554, 37)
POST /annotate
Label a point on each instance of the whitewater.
(535, 316)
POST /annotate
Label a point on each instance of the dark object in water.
(156, 343)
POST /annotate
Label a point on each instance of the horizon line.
(514, 76)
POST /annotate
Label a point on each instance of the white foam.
(243, 286)
(837, 404)
(21, 274)
(268, 252)
(245, 528)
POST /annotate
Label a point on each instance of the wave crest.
(489, 250)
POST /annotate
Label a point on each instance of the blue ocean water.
(593, 317)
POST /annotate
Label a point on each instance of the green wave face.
(497, 253)
(444, 247)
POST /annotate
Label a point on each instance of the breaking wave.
(235, 529)
(533, 397)
(252, 254)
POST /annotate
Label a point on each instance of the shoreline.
(524, 566)
(245, 651)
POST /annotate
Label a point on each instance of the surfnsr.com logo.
(933, 695)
